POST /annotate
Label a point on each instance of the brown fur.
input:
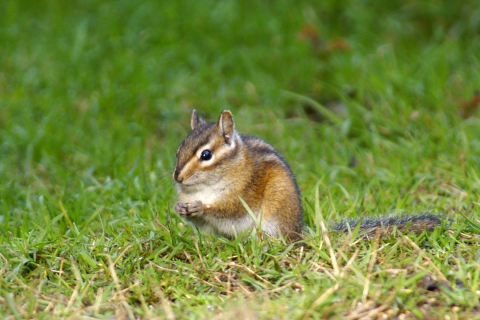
(251, 170)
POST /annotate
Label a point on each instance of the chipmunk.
(217, 168)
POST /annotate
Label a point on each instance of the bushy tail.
(416, 223)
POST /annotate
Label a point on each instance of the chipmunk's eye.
(206, 155)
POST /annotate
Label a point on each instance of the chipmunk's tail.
(416, 223)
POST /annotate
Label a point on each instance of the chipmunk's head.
(203, 155)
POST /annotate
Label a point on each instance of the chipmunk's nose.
(176, 176)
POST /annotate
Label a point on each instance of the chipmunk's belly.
(229, 227)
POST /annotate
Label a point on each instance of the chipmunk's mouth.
(187, 184)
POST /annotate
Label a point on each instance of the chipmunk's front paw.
(190, 209)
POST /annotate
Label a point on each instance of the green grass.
(95, 97)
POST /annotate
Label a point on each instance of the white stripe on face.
(195, 164)
(190, 167)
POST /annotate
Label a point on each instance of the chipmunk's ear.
(226, 126)
(196, 121)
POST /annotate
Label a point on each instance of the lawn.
(373, 104)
